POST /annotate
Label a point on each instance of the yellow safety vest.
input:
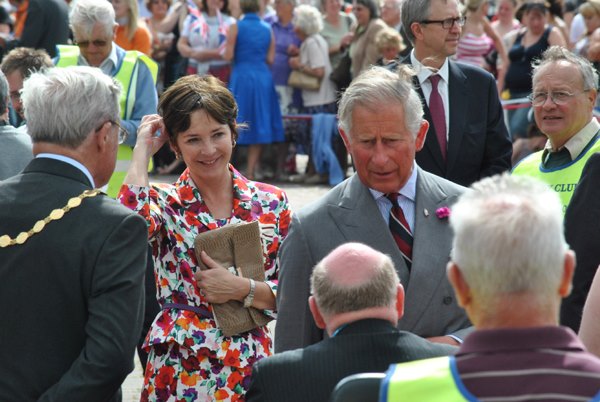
(429, 380)
(562, 179)
(127, 77)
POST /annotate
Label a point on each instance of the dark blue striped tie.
(400, 230)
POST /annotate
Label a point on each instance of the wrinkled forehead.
(560, 73)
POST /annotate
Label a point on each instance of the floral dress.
(190, 359)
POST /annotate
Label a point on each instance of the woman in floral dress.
(189, 357)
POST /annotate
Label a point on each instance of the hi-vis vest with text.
(127, 77)
(561, 179)
(429, 380)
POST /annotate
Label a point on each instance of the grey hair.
(379, 291)
(377, 86)
(3, 93)
(508, 239)
(414, 11)
(63, 105)
(308, 19)
(555, 54)
(417, 11)
(86, 13)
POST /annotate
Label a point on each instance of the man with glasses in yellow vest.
(93, 25)
(510, 268)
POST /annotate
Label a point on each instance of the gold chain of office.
(55, 215)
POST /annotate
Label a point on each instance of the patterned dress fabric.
(472, 49)
(189, 357)
(252, 84)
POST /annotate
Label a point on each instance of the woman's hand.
(294, 63)
(149, 141)
(218, 285)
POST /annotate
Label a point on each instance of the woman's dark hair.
(191, 93)
(372, 6)
(250, 6)
(223, 9)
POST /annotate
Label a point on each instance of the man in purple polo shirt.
(510, 268)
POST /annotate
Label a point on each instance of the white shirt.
(423, 74)
(71, 162)
(406, 200)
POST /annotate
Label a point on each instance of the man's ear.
(400, 301)
(461, 288)
(569, 268)
(316, 313)
(115, 31)
(346, 139)
(417, 30)
(421, 135)
(102, 136)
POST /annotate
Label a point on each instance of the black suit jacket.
(72, 295)
(46, 26)
(582, 231)
(478, 141)
(310, 374)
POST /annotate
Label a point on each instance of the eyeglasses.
(558, 97)
(97, 43)
(447, 23)
(122, 132)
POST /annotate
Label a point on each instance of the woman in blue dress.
(251, 46)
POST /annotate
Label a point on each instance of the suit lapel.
(458, 90)
(430, 251)
(358, 219)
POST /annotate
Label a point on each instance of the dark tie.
(438, 115)
(400, 230)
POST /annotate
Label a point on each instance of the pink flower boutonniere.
(442, 213)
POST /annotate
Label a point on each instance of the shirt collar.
(108, 65)
(409, 190)
(577, 143)
(71, 162)
(423, 72)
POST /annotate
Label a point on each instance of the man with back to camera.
(358, 299)
(510, 268)
(73, 259)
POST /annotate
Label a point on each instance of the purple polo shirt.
(542, 363)
(284, 36)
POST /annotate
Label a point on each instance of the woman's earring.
(233, 143)
(177, 155)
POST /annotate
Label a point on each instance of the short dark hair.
(191, 93)
(250, 6)
(26, 61)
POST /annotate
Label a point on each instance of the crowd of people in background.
(399, 105)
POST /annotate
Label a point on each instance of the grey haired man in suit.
(381, 123)
(358, 299)
(72, 260)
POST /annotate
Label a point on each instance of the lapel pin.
(425, 212)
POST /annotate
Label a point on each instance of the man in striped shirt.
(510, 269)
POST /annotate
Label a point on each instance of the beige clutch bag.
(238, 248)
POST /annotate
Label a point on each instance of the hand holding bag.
(301, 80)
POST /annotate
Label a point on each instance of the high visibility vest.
(127, 75)
(562, 179)
(429, 380)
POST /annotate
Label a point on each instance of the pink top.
(472, 49)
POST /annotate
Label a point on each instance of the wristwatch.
(250, 297)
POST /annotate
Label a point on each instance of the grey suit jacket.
(348, 213)
(73, 294)
(310, 374)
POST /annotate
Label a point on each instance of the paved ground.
(298, 194)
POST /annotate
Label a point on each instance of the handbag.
(238, 247)
(342, 75)
(301, 80)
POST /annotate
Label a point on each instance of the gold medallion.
(22, 237)
(74, 202)
(5, 240)
(38, 227)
